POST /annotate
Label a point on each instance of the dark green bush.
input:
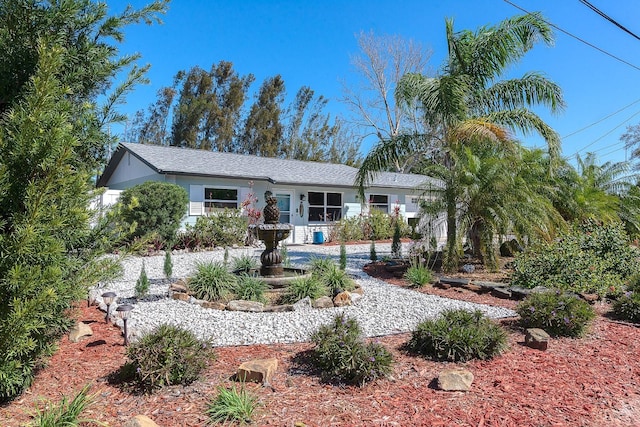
(224, 228)
(341, 353)
(627, 307)
(373, 256)
(558, 313)
(589, 258)
(168, 355)
(343, 256)
(304, 287)
(142, 284)
(250, 288)
(154, 207)
(458, 336)
(212, 281)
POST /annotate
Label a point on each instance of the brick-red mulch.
(592, 381)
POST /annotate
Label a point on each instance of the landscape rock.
(278, 308)
(215, 305)
(519, 293)
(442, 285)
(358, 290)
(343, 299)
(503, 293)
(454, 281)
(140, 421)
(590, 298)
(258, 370)
(355, 298)
(79, 331)
(473, 287)
(181, 297)
(468, 268)
(180, 286)
(455, 379)
(536, 338)
(303, 305)
(323, 302)
(242, 305)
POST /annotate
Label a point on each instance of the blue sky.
(311, 42)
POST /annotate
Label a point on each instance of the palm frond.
(529, 90)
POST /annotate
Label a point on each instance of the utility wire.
(577, 38)
(606, 134)
(601, 120)
(608, 18)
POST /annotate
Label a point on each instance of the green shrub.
(374, 225)
(154, 207)
(336, 280)
(418, 275)
(168, 262)
(168, 355)
(343, 256)
(373, 256)
(304, 287)
(341, 353)
(251, 288)
(142, 284)
(245, 262)
(224, 228)
(231, 405)
(627, 307)
(458, 336)
(589, 258)
(212, 281)
(66, 413)
(558, 313)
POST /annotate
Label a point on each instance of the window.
(380, 202)
(219, 198)
(324, 207)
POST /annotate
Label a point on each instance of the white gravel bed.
(384, 309)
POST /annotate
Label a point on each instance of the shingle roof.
(183, 161)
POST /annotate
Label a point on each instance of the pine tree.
(343, 256)
(168, 262)
(373, 256)
(142, 284)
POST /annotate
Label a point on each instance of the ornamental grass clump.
(244, 262)
(66, 413)
(304, 287)
(341, 354)
(232, 405)
(418, 275)
(251, 288)
(212, 282)
(168, 355)
(458, 336)
(337, 280)
(558, 313)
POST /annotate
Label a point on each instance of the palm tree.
(469, 105)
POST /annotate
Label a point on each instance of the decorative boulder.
(259, 370)
(323, 302)
(140, 421)
(79, 331)
(242, 305)
(536, 338)
(343, 299)
(455, 379)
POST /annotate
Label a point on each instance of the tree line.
(208, 110)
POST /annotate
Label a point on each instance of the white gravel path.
(384, 309)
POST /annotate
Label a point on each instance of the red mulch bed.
(593, 381)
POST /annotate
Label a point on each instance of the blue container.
(318, 238)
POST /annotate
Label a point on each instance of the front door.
(285, 199)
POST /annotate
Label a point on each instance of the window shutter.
(196, 199)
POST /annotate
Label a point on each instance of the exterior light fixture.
(108, 298)
(301, 207)
(123, 311)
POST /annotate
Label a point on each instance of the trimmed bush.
(168, 355)
(343, 256)
(212, 281)
(375, 225)
(154, 207)
(558, 313)
(590, 258)
(304, 287)
(373, 256)
(167, 267)
(458, 336)
(231, 405)
(341, 353)
(251, 288)
(627, 307)
(224, 228)
(418, 275)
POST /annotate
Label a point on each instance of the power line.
(577, 38)
(606, 134)
(602, 119)
(608, 18)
